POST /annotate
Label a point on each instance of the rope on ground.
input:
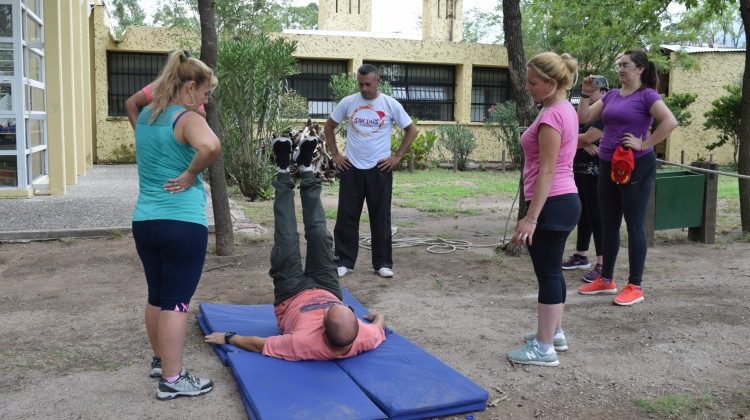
(434, 245)
(708, 171)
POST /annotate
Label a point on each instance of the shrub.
(502, 119)
(417, 156)
(724, 116)
(250, 93)
(459, 140)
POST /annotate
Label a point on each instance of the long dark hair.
(649, 77)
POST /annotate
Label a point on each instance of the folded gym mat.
(403, 380)
(407, 382)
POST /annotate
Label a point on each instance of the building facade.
(714, 68)
(45, 96)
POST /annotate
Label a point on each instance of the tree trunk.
(517, 68)
(743, 162)
(216, 177)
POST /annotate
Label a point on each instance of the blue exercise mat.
(397, 380)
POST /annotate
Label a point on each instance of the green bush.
(417, 156)
(724, 116)
(502, 120)
(459, 140)
(250, 97)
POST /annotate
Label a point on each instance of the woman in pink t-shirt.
(549, 146)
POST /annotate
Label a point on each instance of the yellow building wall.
(345, 15)
(442, 20)
(114, 135)
(714, 71)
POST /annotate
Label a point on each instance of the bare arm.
(588, 112)
(338, 159)
(589, 137)
(376, 318)
(133, 104)
(410, 133)
(194, 130)
(667, 123)
(549, 149)
(251, 343)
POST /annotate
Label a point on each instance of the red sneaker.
(631, 294)
(598, 287)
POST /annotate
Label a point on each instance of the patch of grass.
(259, 212)
(728, 188)
(440, 190)
(405, 223)
(439, 283)
(242, 238)
(331, 214)
(116, 234)
(675, 406)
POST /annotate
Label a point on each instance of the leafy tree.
(724, 116)
(477, 25)
(706, 25)
(127, 13)
(301, 17)
(678, 104)
(240, 17)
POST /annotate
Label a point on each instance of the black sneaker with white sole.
(305, 150)
(282, 150)
(155, 367)
(184, 386)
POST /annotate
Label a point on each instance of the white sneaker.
(344, 271)
(385, 272)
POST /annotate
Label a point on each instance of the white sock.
(306, 168)
(559, 333)
(543, 347)
(283, 171)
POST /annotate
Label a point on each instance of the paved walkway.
(101, 202)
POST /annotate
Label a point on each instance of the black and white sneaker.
(184, 386)
(282, 149)
(155, 367)
(305, 150)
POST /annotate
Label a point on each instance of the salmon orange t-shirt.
(302, 331)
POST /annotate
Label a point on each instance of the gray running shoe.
(576, 261)
(560, 344)
(184, 386)
(530, 355)
(155, 367)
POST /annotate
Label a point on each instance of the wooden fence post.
(706, 232)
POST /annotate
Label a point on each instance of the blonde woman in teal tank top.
(173, 145)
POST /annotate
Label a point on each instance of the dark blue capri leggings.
(559, 216)
(172, 253)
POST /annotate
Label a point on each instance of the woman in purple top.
(549, 145)
(627, 114)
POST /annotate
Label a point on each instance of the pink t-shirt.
(148, 90)
(302, 332)
(562, 118)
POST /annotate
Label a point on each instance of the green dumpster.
(678, 199)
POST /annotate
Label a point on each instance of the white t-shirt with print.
(369, 124)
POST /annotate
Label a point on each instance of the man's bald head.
(340, 325)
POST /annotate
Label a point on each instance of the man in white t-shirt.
(366, 170)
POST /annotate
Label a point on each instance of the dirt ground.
(73, 345)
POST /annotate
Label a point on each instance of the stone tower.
(345, 15)
(441, 20)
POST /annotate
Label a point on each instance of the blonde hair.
(180, 69)
(561, 68)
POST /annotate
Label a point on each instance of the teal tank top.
(161, 157)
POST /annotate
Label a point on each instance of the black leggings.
(546, 253)
(591, 213)
(556, 220)
(629, 200)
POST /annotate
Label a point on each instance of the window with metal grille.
(489, 86)
(128, 73)
(313, 83)
(426, 91)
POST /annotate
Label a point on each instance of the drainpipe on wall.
(452, 15)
